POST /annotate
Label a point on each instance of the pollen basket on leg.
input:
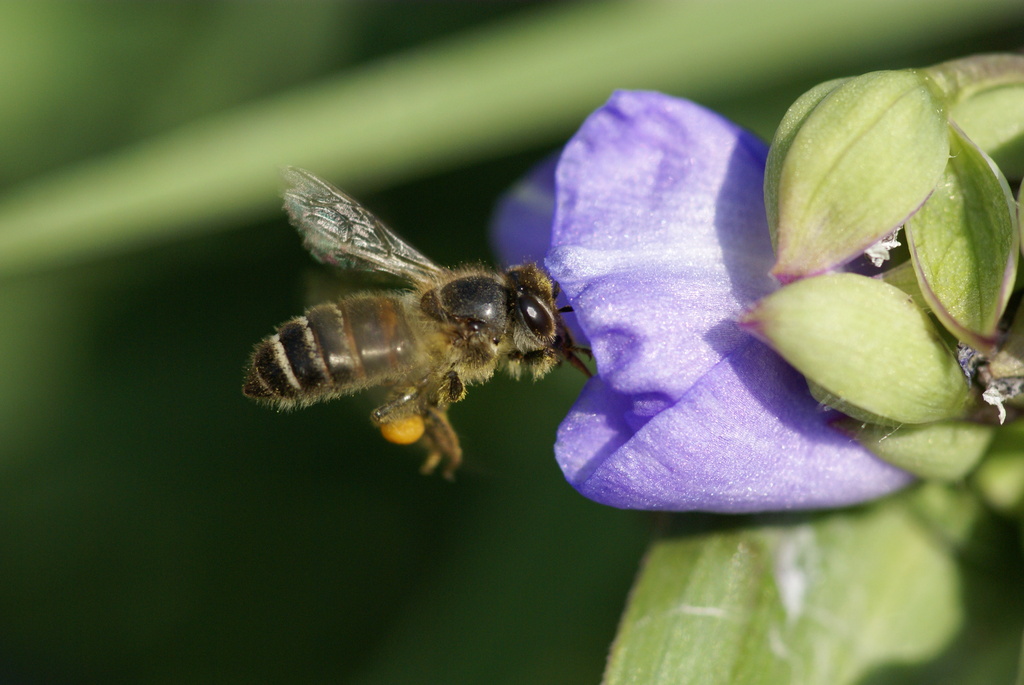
(404, 431)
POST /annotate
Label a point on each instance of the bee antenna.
(566, 309)
(570, 356)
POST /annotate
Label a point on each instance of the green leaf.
(945, 450)
(965, 242)
(794, 601)
(862, 161)
(865, 342)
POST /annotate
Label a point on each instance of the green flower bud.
(947, 450)
(903, 277)
(851, 161)
(964, 244)
(985, 97)
(784, 136)
(864, 342)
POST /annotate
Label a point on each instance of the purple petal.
(660, 240)
(746, 437)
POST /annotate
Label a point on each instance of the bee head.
(533, 296)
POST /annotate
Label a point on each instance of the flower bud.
(864, 342)
(947, 450)
(852, 160)
(985, 96)
(964, 244)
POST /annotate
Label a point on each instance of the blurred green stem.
(522, 82)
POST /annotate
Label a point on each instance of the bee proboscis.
(450, 329)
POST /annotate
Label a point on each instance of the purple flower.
(659, 240)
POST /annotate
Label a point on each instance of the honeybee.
(450, 329)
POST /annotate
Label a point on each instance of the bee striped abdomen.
(380, 332)
(332, 331)
(334, 349)
(300, 347)
(269, 374)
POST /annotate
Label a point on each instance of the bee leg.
(399, 400)
(453, 389)
(442, 443)
(439, 438)
(380, 414)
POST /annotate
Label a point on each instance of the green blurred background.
(157, 527)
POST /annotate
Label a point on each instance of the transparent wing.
(339, 231)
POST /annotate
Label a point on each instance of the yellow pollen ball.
(404, 431)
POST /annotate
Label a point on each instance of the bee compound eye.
(535, 316)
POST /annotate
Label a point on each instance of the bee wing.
(339, 231)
